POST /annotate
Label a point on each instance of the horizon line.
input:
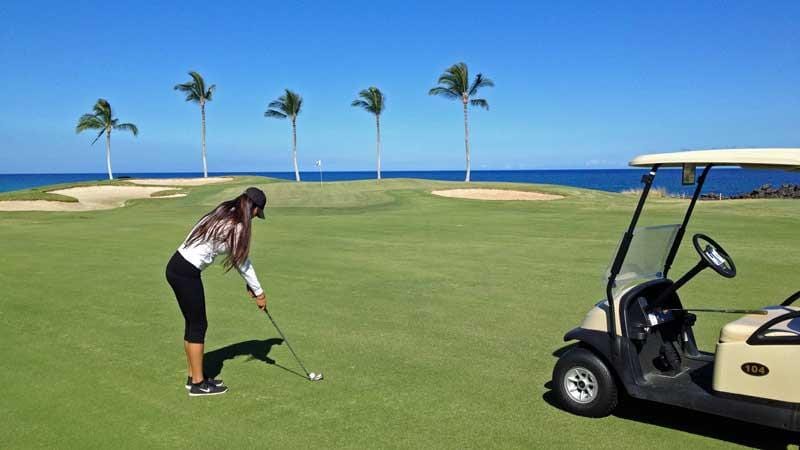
(291, 172)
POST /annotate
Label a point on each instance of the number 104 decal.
(755, 369)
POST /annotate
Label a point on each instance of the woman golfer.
(225, 230)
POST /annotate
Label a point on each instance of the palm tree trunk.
(294, 150)
(378, 126)
(466, 139)
(203, 138)
(108, 153)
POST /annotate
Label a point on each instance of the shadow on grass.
(255, 350)
(688, 421)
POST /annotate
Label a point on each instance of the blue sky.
(578, 84)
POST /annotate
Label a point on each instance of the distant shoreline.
(384, 171)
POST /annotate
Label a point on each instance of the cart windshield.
(646, 256)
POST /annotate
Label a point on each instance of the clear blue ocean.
(724, 181)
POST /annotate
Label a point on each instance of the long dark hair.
(229, 223)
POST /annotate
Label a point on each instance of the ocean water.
(724, 181)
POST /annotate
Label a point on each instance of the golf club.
(311, 376)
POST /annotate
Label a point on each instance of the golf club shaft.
(759, 312)
(286, 340)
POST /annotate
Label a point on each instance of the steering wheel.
(714, 255)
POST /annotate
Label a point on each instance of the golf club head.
(315, 376)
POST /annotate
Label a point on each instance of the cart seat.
(741, 329)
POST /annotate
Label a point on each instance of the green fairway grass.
(433, 319)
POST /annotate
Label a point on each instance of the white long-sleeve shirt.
(201, 254)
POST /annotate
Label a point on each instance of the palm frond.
(198, 81)
(89, 122)
(98, 136)
(274, 113)
(128, 127)
(373, 100)
(479, 102)
(195, 88)
(444, 92)
(189, 89)
(185, 87)
(457, 77)
(287, 105)
(293, 101)
(453, 83)
(480, 81)
(102, 109)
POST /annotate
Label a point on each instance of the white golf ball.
(312, 375)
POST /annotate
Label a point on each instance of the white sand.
(496, 194)
(180, 181)
(89, 198)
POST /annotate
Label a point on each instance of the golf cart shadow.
(708, 425)
(214, 361)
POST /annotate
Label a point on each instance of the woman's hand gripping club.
(261, 300)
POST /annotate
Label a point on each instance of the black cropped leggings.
(184, 278)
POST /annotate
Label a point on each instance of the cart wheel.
(584, 384)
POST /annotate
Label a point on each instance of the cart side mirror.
(688, 177)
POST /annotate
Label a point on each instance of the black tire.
(597, 396)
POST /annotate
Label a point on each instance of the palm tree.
(288, 105)
(373, 101)
(196, 92)
(102, 119)
(454, 84)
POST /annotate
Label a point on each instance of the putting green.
(433, 319)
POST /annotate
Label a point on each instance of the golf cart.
(639, 338)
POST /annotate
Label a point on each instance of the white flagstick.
(318, 163)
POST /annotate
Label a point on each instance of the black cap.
(258, 198)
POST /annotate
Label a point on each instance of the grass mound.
(167, 193)
(36, 194)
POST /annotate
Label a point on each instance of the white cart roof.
(764, 158)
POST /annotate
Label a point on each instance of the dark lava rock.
(767, 191)
(713, 196)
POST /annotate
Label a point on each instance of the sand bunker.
(496, 194)
(89, 198)
(180, 181)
